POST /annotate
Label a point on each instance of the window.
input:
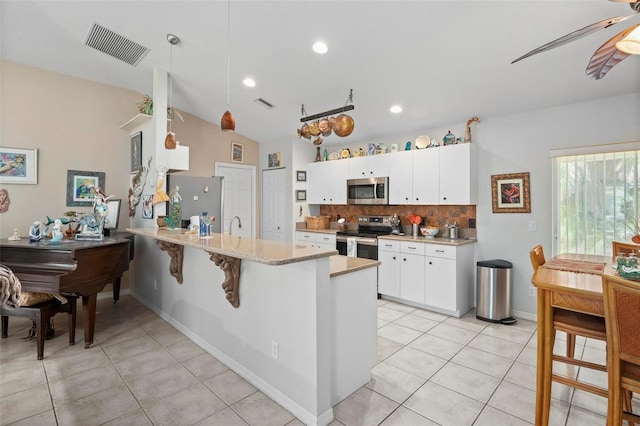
(596, 199)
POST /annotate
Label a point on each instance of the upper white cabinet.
(401, 178)
(327, 182)
(426, 176)
(458, 167)
(370, 166)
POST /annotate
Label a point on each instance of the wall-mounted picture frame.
(81, 185)
(301, 195)
(237, 152)
(301, 176)
(510, 193)
(147, 206)
(274, 159)
(113, 214)
(19, 165)
(136, 151)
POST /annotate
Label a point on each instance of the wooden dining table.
(577, 286)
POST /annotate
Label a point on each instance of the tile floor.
(432, 370)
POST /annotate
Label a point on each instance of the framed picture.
(81, 186)
(136, 151)
(147, 206)
(113, 214)
(510, 193)
(274, 159)
(301, 176)
(301, 195)
(18, 165)
(237, 152)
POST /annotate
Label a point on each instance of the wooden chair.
(625, 248)
(621, 307)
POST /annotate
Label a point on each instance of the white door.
(239, 198)
(273, 204)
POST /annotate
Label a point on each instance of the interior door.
(239, 198)
(273, 204)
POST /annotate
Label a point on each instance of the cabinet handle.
(405, 259)
(394, 258)
(439, 251)
(388, 245)
(444, 198)
(430, 263)
(411, 248)
(417, 198)
(406, 198)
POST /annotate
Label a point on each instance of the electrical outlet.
(533, 226)
(532, 291)
(275, 349)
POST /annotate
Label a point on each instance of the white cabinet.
(389, 272)
(402, 270)
(327, 182)
(441, 274)
(401, 178)
(458, 174)
(370, 166)
(426, 176)
(316, 239)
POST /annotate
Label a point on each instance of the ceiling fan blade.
(597, 26)
(607, 56)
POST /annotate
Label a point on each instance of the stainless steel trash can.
(493, 291)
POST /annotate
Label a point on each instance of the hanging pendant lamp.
(170, 141)
(228, 123)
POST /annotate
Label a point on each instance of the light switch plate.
(533, 226)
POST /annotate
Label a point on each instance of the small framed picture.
(136, 151)
(147, 206)
(18, 165)
(113, 214)
(301, 176)
(274, 159)
(510, 193)
(81, 187)
(237, 152)
(301, 195)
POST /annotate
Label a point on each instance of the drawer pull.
(411, 248)
(388, 245)
(439, 251)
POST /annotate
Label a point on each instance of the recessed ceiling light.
(396, 109)
(320, 47)
(249, 82)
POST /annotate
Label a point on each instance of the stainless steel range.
(366, 237)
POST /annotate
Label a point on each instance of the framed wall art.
(147, 206)
(113, 214)
(301, 195)
(237, 152)
(510, 193)
(301, 176)
(81, 185)
(18, 165)
(274, 159)
(136, 151)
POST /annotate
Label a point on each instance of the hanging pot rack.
(348, 107)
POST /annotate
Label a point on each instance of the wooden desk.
(574, 291)
(80, 267)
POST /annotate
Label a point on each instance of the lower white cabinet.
(316, 239)
(437, 277)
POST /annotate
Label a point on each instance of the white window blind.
(595, 201)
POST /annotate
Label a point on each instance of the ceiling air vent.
(106, 41)
(264, 103)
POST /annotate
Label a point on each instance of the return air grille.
(113, 44)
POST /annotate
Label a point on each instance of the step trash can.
(493, 291)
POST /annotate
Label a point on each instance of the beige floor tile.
(507, 333)
(581, 417)
(186, 407)
(485, 362)
(430, 315)
(444, 406)
(528, 356)
(145, 363)
(416, 322)
(115, 333)
(388, 314)
(466, 381)
(23, 404)
(590, 402)
(525, 325)
(434, 345)
(400, 307)
(416, 362)
(47, 418)
(405, 417)
(386, 348)
(129, 348)
(98, 408)
(184, 350)
(205, 366)
(160, 383)
(226, 417)
(455, 334)
(167, 335)
(83, 384)
(258, 410)
(381, 323)
(492, 417)
(16, 381)
(134, 418)
(73, 360)
(497, 346)
(398, 333)
(364, 407)
(521, 402)
(393, 382)
(230, 387)
(467, 322)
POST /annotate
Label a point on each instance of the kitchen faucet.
(231, 224)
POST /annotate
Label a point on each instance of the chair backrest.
(625, 248)
(537, 257)
(622, 308)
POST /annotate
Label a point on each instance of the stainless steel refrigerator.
(200, 194)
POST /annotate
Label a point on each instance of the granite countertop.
(260, 251)
(319, 231)
(341, 265)
(436, 240)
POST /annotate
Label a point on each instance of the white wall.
(521, 143)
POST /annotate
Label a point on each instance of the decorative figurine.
(407, 146)
(467, 130)
(175, 208)
(4, 200)
(56, 235)
(34, 232)
(15, 236)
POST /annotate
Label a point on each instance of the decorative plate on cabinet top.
(423, 142)
(345, 153)
(334, 156)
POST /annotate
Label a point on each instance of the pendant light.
(228, 123)
(170, 140)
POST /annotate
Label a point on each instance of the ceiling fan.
(611, 53)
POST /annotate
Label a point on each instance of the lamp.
(170, 140)
(228, 123)
(631, 43)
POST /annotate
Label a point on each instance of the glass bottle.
(204, 227)
(318, 156)
(175, 209)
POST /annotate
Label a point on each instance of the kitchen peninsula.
(304, 329)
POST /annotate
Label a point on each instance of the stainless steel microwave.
(368, 191)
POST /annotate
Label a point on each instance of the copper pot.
(314, 128)
(304, 132)
(343, 125)
(318, 141)
(325, 127)
(170, 141)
